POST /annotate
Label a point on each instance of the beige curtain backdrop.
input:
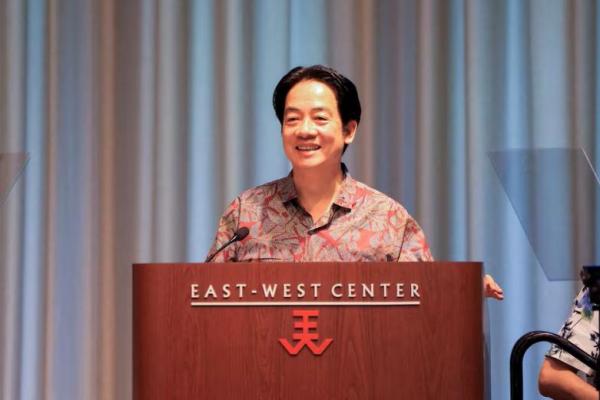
(143, 118)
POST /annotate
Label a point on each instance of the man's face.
(312, 131)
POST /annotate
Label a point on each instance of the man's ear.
(350, 131)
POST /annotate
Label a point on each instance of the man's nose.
(307, 128)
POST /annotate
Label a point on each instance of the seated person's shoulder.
(581, 329)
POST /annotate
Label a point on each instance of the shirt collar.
(287, 190)
(344, 198)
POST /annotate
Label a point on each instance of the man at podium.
(319, 212)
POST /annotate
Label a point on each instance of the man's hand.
(558, 381)
(491, 288)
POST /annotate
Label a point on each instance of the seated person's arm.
(559, 381)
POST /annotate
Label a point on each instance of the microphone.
(238, 235)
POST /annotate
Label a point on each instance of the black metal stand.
(528, 340)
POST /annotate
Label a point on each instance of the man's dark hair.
(343, 88)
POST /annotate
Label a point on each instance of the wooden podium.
(218, 331)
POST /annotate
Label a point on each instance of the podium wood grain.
(430, 351)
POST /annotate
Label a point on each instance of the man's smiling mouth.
(313, 147)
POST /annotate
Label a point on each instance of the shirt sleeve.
(414, 245)
(581, 329)
(228, 224)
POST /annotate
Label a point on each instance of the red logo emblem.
(305, 337)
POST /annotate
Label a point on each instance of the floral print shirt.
(581, 329)
(362, 225)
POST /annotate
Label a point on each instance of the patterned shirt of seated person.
(362, 225)
(581, 329)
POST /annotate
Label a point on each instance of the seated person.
(319, 212)
(562, 376)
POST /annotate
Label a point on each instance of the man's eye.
(291, 119)
(321, 118)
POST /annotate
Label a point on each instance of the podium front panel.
(397, 330)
